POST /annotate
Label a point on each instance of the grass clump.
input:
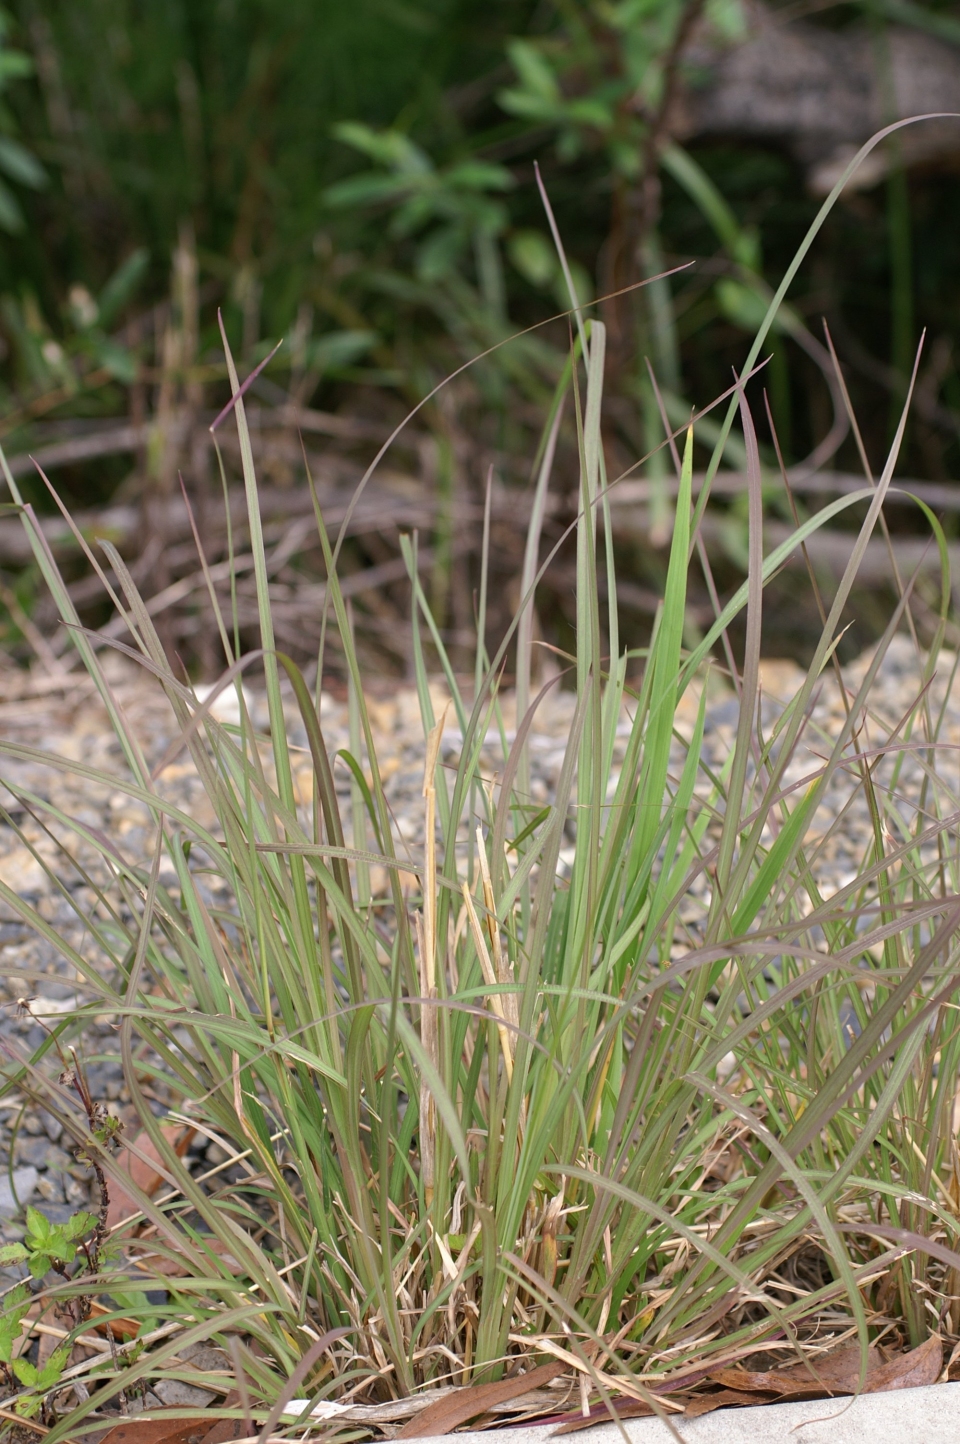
(537, 1111)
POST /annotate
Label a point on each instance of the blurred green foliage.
(17, 162)
(223, 112)
(359, 179)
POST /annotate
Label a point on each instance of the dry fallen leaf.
(175, 1430)
(179, 1430)
(224, 1431)
(839, 1366)
(143, 1171)
(724, 1398)
(465, 1404)
(919, 1367)
(169, 1264)
(829, 1375)
(786, 1386)
(838, 1372)
(122, 1328)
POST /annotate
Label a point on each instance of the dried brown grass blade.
(600, 1414)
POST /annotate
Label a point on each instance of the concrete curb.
(902, 1416)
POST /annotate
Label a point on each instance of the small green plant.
(80, 345)
(453, 211)
(41, 1252)
(48, 1245)
(38, 1381)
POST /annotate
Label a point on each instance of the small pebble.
(172, 1391)
(148, 1401)
(56, 1160)
(202, 1356)
(53, 1126)
(32, 1150)
(24, 1184)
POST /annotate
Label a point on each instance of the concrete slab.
(903, 1416)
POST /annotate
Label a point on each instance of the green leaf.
(122, 285)
(25, 1372)
(20, 164)
(53, 1369)
(528, 106)
(369, 188)
(742, 304)
(14, 65)
(478, 175)
(48, 1243)
(439, 253)
(533, 256)
(588, 111)
(339, 348)
(78, 1225)
(12, 1253)
(38, 1226)
(727, 18)
(121, 363)
(771, 869)
(16, 1304)
(582, 284)
(534, 71)
(390, 148)
(39, 1379)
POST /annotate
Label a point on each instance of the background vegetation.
(359, 181)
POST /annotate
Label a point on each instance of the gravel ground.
(63, 716)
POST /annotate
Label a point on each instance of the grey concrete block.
(902, 1416)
